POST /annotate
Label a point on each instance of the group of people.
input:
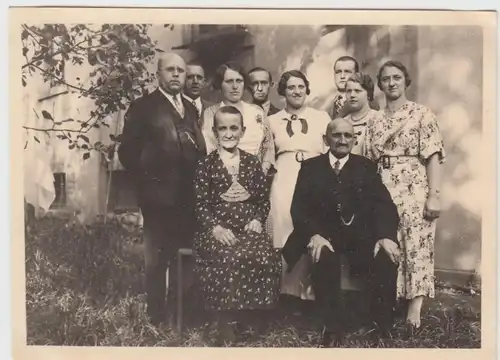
(274, 200)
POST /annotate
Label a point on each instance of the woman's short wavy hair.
(289, 74)
(398, 65)
(221, 71)
(365, 81)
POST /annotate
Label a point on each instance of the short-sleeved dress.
(296, 138)
(407, 139)
(247, 274)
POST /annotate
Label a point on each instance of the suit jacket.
(322, 200)
(151, 150)
(272, 110)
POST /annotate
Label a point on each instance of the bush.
(83, 285)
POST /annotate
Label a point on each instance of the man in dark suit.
(341, 207)
(160, 146)
(259, 84)
(195, 83)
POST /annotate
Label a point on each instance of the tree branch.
(62, 81)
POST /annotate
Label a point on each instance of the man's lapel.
(191, 115)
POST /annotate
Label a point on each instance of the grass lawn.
(84, 287)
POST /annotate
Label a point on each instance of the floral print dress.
(247, 274)
(407, 139)
(360, 127)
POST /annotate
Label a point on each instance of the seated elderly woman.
(237, 266)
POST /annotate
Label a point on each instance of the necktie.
(336, 168)
(178, 106)
(196, 107)
(338, 103)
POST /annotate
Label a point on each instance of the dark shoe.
(411, 330)
(332, 339)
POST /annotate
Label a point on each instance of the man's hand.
(316, 245)
(390, 247)
(223, 235)
(254, 226)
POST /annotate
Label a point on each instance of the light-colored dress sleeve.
(267, 149)
(207, 130)
(325, 119)
(430, 138)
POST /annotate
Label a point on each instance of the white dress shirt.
(197, 103)
(180, 107)
(333, 160)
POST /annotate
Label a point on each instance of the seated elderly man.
(341, 207)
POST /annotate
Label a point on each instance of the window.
(60, 187)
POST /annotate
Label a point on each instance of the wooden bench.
(348, 282)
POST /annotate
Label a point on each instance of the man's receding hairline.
(168, 56)
(335, 121)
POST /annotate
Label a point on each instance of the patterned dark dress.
(247, 274)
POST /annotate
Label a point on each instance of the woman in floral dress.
(237, 266)
(408, 147)
(359, 94)
(298, 135)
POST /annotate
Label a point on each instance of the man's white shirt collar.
(333, 160)
(171, 98)
(197, 102)
(266, 106)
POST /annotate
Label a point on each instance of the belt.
(300, 156)
(386, 159)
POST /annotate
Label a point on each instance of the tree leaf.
(24, 34)
(104, 40)
(36, 139)
(72, 146)
(46, 115)
(25, 51)
(24, 82)
(84, 138)
(86, 156)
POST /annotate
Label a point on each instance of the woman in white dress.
(359, 95)
(257, 140)
(298, 135)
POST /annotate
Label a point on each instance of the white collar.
(197, 101)
(170, 97)
(333, 160)
(265, 106)
(240, 105)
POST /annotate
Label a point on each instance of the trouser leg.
(155, 266)
(326, 281)
(382, 285)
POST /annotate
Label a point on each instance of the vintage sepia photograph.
(222, 183)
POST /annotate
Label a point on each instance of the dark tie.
(196, 107)
(336, 168)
